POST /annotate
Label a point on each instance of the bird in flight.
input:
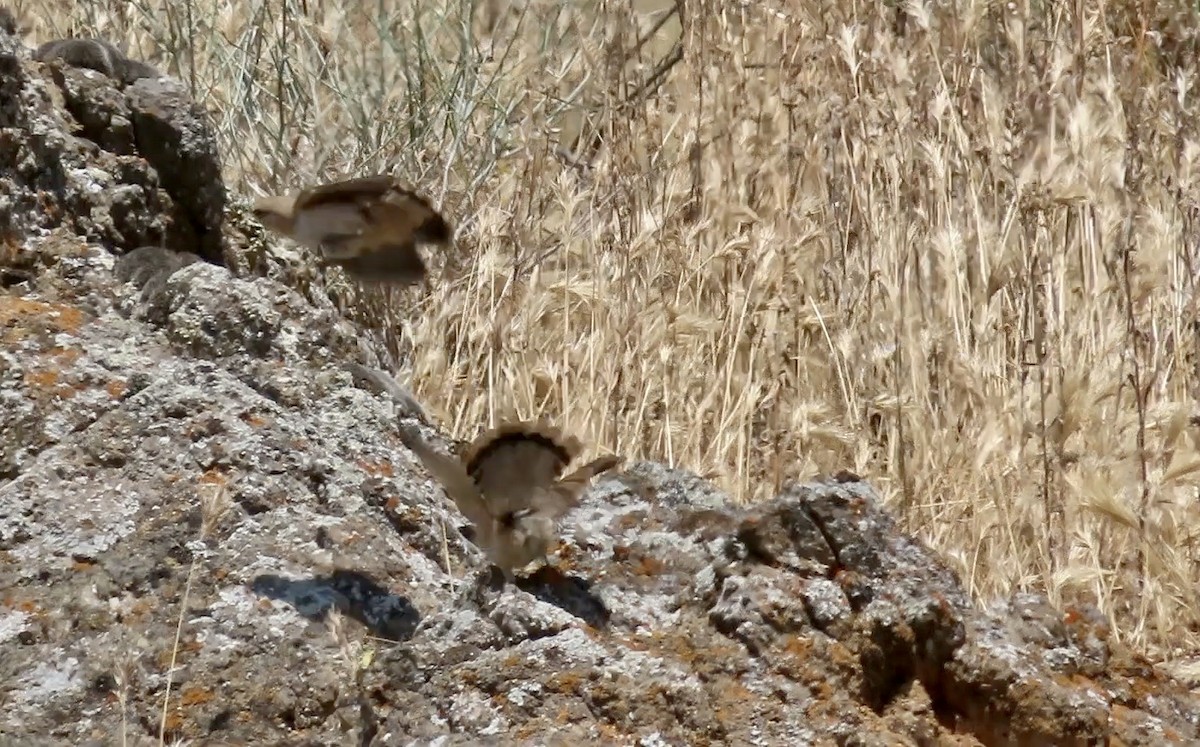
(369, 226)
(510, 485)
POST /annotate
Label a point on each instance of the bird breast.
(515, 545)
(324, 223)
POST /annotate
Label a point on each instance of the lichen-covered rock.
(207, 528)
(122, 166)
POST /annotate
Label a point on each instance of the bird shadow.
(572, 594)
(352, 593)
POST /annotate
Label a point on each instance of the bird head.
(276, 212)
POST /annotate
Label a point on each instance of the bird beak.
(274, 212)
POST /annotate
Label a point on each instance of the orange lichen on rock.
(377, 469)
(18, 312)
(196, 696)
(565, 682)
(648, 565)
(41, 380)
(254, 420)
(173, 721)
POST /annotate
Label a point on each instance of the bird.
(98, 55)
(147, 263)
(149, 268)
(509, 484)
(369, 226)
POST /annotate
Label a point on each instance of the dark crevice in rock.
(10, 276)
(252, 505)
(830, 540)
(220, 721)
(368, 722)
(571, 594)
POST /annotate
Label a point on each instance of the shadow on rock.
(353, 593)
(571, 594)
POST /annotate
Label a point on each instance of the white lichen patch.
(12, 623)
(70, 516)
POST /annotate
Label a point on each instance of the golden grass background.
(950, 247)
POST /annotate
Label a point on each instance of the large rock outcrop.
(194, 495)
(121, 166)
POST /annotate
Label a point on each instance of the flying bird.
(369, 226)
(510, 485)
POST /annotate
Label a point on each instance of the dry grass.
(950, 248)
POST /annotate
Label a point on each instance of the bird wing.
(450, 473)
(381, 261)
(386, 250)
(275, 212)
(361, 189)
(335, 228)
(385, 204)
(370, 227)
(333, 216)
(569, 489)
(566, 491)
(515, 461)
(401, 212)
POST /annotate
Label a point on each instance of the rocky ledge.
(198, 506)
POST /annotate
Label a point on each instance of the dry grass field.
(952, 247)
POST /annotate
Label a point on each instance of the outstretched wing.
(450, 473)
(385, 261)
(565, 493)
(384, 206)
(403, 213)
(361, 189)
(370, 227)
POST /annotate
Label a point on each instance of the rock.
(174, 136)
(185, 456)
(121, 166)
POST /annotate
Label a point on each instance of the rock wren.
(98, 55)
(369, 226)
(510, 485)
